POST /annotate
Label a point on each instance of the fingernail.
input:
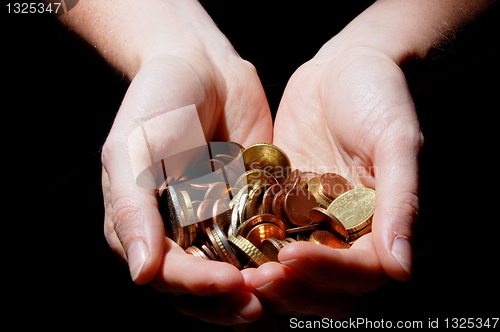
(401, 250)
(263, 287)
(303, 264)
(137, 254)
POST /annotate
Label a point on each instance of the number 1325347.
(462, 323)
(34, 8)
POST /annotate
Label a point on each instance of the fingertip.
(137, 255)
(181, 272)
(402, 251)
(268, 273)
(249, 308)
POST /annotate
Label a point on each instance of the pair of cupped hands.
(348, 109)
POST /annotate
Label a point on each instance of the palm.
(229, 104)
(333, 114)
(354, 116)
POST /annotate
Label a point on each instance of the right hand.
(231, 106)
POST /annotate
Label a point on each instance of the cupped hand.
(229, 104)
(350, 113)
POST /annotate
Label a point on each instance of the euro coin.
(269, 158)
(354, 208)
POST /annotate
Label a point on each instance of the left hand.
(352, 114)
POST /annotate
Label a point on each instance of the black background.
(59, 99)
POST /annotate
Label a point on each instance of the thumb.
(133, 226)
(397, 203)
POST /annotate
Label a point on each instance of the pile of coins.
(243, 205)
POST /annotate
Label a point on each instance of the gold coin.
(216, 245)
(221, 214)
(271, 247)
(187, 207)
(269, 158)
(175, 219)
(314, 187)
(354, 208)
(254, 200)
(356, 235)
(249, 250)
(227, 250)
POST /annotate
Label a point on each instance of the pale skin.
(355, 112)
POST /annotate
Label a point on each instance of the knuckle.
(248, 65)
(407, 206)
(125, 214)
(107, 150)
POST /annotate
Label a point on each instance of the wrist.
(405, 30)
(130, 33)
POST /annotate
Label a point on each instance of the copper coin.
(267, 199)
(297, 205)
(301, 229)
(202, 186)
(219, 190)
(195, 251)
(321, 215)
(328, 239)
(204, 213)
(228, 148)
(264, 231)
(293, 179)
(306, 176)
(215, 245)
(250, 223)
(333, 185)
(233, 163)
(209, 252)
(277, 208)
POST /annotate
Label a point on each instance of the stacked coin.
(251, 204)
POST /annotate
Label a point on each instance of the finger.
(356, 270)
(267, 322)
(184, 273)
(288, 293)
(230, 309)
(109, 230)
(397, 202)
